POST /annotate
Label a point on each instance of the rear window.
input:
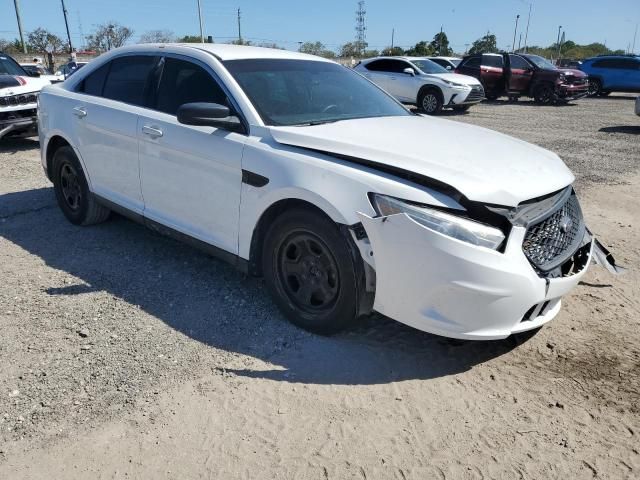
(127, 79)
(492, 61)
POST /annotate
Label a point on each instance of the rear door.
(191, 176)
(376, 71)
(401, 85)
(491, 73)
(105, 114)
(470, 66)
(521, 73)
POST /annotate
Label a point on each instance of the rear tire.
(430, 101)
(74, 198)
(311, 272)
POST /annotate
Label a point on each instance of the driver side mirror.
(448, 67)
(209, 115)
(409, 71)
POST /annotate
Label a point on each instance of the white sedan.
(297, 169)
(422, 82)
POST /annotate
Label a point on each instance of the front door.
(521, 73)
(191, 176)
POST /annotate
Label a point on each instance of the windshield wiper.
(316, 122)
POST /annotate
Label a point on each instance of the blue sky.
(332, 21)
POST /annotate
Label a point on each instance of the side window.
(185, 82)
(603, 64)
(397, 66)
(518, 62)
(378, 66)
(128, 79)
(629, 64)
(473, 62)
(492, 61)
(94, 82)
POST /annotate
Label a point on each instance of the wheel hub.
(70, 184)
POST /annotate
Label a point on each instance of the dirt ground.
(127, 355)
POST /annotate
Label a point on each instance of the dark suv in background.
(614, 73)
(516, 75)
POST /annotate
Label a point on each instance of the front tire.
(544, 95)
(74, 198)
(595, 87)
(430, 101)
(311, 271)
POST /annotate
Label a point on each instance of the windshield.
(541, 62)
(427, 66)
(308, 92)
(9, 67)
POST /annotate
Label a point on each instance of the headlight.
(453, 84)
(451, 225)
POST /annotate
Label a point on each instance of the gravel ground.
(126, 353)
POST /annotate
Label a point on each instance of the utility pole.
(440, 42)
(393, 32)
(360, 28)
(526, 35)
(239, 30)
(66, 23)
(200, 18)
(635, 34)
(109, 36)
(519, 42)
(558, 40)
(513, 44)
(24, 45)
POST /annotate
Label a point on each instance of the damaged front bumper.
(19, 122)
(448, 287)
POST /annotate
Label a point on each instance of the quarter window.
(128, 77)
(185, 82)
(379, 66)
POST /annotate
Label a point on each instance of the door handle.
(153, 132)
(80, 112)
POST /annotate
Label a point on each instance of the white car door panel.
(108, 143)
(191, 176)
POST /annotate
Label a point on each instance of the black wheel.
(311, 271)
(430, 101)
(595, 87)
(491, 96)
(544, 94)
(604, 93)
(72, 191)
(461, 108)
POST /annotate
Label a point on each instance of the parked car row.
(297, 169)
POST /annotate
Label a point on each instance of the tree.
(316, 48)
(157, 36)
(392, 52)
(11, 47)
(421, 49)
(190, 39)
(349, 49)
(107, 36)
(486, 44)
(40, 40)
(440, 44)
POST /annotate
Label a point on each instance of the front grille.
(20, 99)
(551, 241)
(476, 94)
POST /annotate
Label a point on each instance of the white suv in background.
(422, 82)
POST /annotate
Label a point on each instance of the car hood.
(483, 165)
(455, 77)
(14, 85)
(573, 72)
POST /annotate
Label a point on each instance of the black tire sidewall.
(62, 156)
(597, 87)
(344, 310)
(438, 96)
(544, 101)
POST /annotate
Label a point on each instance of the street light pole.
(558, 40)
(200, 18)
(526, 34)
(24, 45)
(66, 22)
(513, 45)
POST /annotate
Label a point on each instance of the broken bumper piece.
(444, 286)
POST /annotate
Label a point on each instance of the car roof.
(444, 58)
(224, 51)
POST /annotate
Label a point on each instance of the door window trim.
(214, 76)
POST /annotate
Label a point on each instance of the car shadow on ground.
(17, 145)
(628, 129)
(211, 302)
